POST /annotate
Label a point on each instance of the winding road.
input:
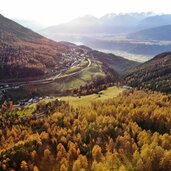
(47, 80)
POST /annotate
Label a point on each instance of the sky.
(53, 12)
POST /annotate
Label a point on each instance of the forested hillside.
(154, 74)
(24, 53)
(129, 132)
(117, 63)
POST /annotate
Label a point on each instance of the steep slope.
(117, 63)
(24, 53)
(158, 33)
(31, 24)
(154, 74)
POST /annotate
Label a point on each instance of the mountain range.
(141, 34)
(161, 33)
(109, 24)
(24, 53)
(155, 21)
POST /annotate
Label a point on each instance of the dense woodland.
(24, 53)
(26, 59)
(129, 132)
(154, 74)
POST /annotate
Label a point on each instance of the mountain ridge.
(109, 23)
(155, 33)
(154, 74)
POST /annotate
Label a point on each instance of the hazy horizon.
(47, 13)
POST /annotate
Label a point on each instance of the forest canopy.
(129, 132)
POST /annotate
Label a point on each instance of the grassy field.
(87, 75)
(74, 101)
(77, 68)
(29, 109)
(26, 110)
(87, 100)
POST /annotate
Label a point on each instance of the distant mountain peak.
(85, 19)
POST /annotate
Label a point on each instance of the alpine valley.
(69, 106)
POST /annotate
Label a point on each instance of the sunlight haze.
(52, 12)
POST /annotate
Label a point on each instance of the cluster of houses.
(30, 101)
(4, 88)
(76, 55)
